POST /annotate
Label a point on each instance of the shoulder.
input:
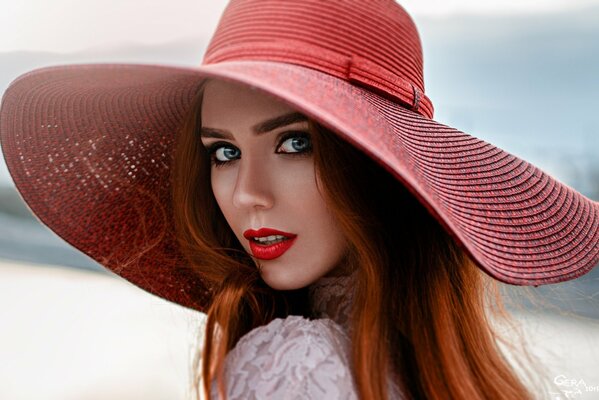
(295, 332)
(291, 357)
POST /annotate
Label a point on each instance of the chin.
(281, 285)
(285, 282)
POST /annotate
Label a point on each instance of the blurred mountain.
(180, 53)
(11, 203)
(528, 84)
(23, 237)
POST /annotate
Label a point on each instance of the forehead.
(227, 104)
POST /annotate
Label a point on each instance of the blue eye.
(298, 142)
(224, 153)
(294, 143)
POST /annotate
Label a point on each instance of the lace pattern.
(332, 297)
(291, 358)
(297, 357)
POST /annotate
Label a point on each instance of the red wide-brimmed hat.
(90, 146)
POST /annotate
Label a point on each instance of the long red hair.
(420, 311)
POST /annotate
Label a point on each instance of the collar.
(331, 297)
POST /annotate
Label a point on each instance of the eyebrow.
(258, 129)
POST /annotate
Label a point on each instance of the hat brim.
(89, 149)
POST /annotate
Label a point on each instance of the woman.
(348, 226)
(309, 118)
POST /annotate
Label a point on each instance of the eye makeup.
(303, 136)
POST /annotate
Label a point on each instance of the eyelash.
(294, 134)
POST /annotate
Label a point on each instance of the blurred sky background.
(521, 74)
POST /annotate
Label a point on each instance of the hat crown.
(371, 43)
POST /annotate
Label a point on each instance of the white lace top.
(296, 357)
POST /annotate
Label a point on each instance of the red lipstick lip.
(251, 233)
(270, 251)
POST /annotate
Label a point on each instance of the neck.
(331, 297)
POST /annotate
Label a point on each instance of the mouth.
(270, 251)
(267, 234)
(268, 240)
(267, 243)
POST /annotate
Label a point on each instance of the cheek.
(222, 187)
(332, 234)
(324, 227)
(327, 227)
(303, 198)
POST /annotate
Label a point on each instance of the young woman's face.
(263, 176)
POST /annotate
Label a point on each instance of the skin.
(269, 181)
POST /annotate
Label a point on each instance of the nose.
(253, 187)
